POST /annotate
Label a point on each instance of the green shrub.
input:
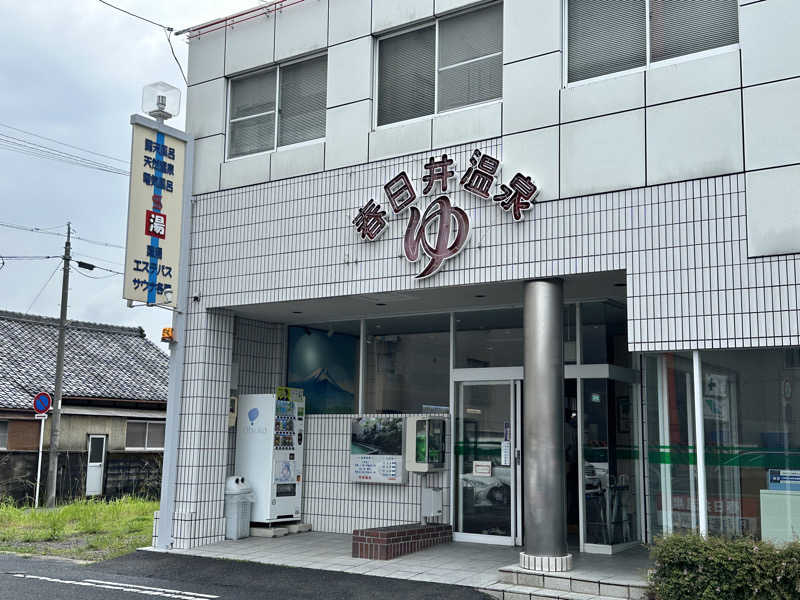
(688, 566)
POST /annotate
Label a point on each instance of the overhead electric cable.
(59, 234)
(122, 160)
(79, 272)
(167, 31)
(29, 148)
(28, 257)
(58, 266)
(79, 262)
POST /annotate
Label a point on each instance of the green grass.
(85, 529)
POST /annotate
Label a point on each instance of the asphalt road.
(150, 576)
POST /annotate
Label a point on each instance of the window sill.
(147, 450)
(656, 65)
(442, 113)
(278, 149)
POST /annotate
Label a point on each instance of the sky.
(74, 71)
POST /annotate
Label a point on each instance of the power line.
(79, 272)
(80, 262)
(59, 234)
(122, 160)
(43, 287)
(134, 15)
(167, 32)
(29, 148)
(27, 257)
(105, 260)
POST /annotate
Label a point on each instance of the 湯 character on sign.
(370, 221)
(438, 170)
(156, 225)
(480, 175)
(517, 195)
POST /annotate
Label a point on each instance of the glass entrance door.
(485, 466)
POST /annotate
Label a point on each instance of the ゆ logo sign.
(442, 231)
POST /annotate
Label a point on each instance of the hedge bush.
(688, 566)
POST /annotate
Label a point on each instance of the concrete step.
(568, 582)
(508, 591)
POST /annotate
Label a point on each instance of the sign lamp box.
(376, 450)
(425, 438)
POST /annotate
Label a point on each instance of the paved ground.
(144, 575)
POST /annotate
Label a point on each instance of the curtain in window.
(605, 36)
(302, 102)
(252, 114)
(406, 74)
(680, 27)
(470, 59)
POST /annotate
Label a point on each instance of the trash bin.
(239, 500)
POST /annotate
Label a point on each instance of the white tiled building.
(661, 137)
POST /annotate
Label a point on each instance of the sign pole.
(39, 468)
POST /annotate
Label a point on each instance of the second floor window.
(277, 107)
(610, 36)
(455, 62)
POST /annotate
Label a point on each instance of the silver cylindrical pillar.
(544, 474)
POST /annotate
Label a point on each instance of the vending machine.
(269, 452)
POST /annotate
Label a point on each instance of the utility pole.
(55, 427)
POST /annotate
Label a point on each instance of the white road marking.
(145, 587)
(123, 587)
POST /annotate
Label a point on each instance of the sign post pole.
(42, 402)
(42, 419)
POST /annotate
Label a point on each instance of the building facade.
(571, 226)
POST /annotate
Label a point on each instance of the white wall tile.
(347, 137)
(773, 211)
(207, 57)
(250, 44)
(348, 20)
(208, 154)
(533, 153)
(396, 140)
(530, 93)
(298, 160)
(475, 123)
(301, 28)
(771, 122)
(387, 14)
(245, 171)
(602, 97)
(693, 77)
(694, 138)
(350, 71)
(530, 28)
(769, 40)
(205, 108)
(603, 154)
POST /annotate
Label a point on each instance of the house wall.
(75, 430)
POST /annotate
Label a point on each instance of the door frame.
(513, 377)
(104, 437)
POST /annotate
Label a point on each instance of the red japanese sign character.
(400, 192)
(480, 175)
(155, 225)
(370, 221)
(517, 195)
(449, 218)
(438, 170)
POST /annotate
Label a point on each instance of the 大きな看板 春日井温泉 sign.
(155, 202)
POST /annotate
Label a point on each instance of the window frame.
(649, 64)
(435, 24)
(147, 423)
(260, 70)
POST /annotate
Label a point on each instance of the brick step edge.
(506, 591)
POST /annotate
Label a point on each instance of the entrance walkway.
(473, 565)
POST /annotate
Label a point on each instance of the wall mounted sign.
(155, 203)
(442, 230)
(376, 450)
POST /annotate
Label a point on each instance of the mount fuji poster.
(324, 366)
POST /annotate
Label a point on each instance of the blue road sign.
(42, 402)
